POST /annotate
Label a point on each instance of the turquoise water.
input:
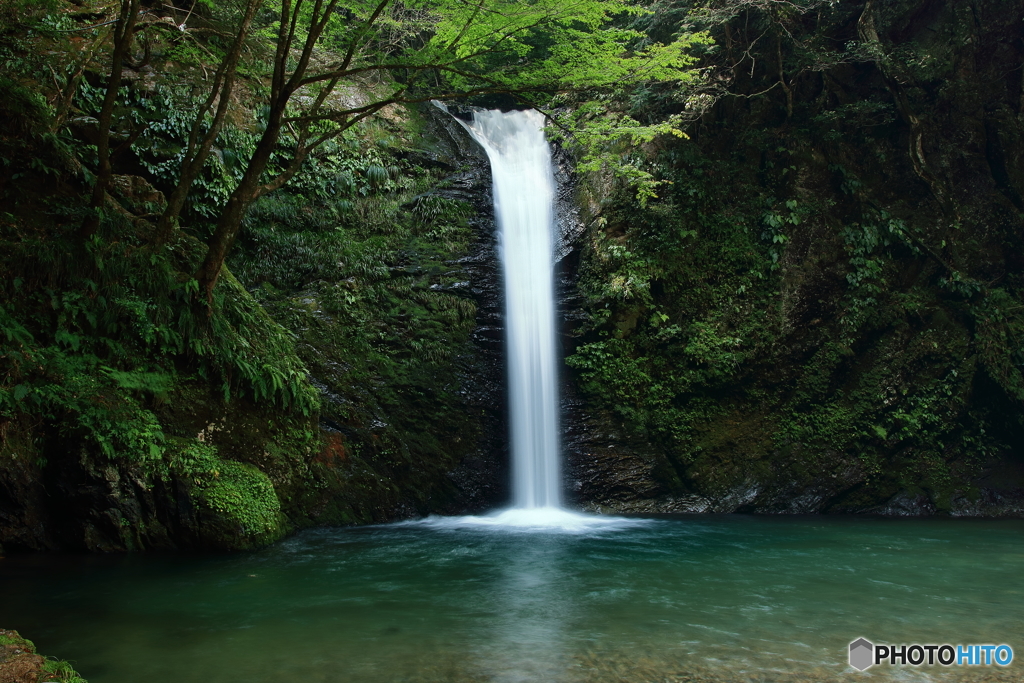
(720, 598)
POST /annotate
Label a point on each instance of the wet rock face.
(82, 501)
(481, 479)
(70, 496)
(19, 662)
(952, 157)
(603, 467)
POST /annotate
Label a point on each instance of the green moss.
(242, 494)
(12, 638)
(774, 323)
(246, 496)
(51, 671)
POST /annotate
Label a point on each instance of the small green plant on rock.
(19, 661)
(238, 491)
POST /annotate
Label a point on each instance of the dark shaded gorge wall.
(823, 311)
(398, 436)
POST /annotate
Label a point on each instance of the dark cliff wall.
(823, 310)
(387, 294)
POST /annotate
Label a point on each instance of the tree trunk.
(230, 221)
(198, 151)
(782, 79)
(123, 34)
(282, 88)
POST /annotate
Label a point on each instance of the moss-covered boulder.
(20, 663)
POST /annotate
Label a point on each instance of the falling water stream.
(524, 193)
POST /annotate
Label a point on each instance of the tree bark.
(782, 79)
(70, 89)
(230, 221)
(283, 87)
(123, 33)
(198, 151)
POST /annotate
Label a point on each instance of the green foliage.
(239, 491)
(160, 120)
(752, 341)
(59, 670)
(23, 12)
(608, 140)
(775, 224)
(393, 310)
(542, 47)
(155, 383)
(629, 274)
(370, 287)
(612, 364)
(20, 19)
(78, 394)
(867, 245)
(92, 338)
(246, 344)
(447, 49)
(27, 108)
(318, 228)
(999, 325)
(670, 288)
(28, 147)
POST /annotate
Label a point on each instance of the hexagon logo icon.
(861, 654)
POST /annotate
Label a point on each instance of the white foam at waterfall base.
(550, 519)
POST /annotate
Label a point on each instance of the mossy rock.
(239, 497)
(20, 663)
(245, 496)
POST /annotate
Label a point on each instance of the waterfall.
(524, 193)
(524, 197)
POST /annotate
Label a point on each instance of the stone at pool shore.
(19, 663)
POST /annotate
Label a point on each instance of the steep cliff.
(822, 312)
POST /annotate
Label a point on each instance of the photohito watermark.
(864, 653)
